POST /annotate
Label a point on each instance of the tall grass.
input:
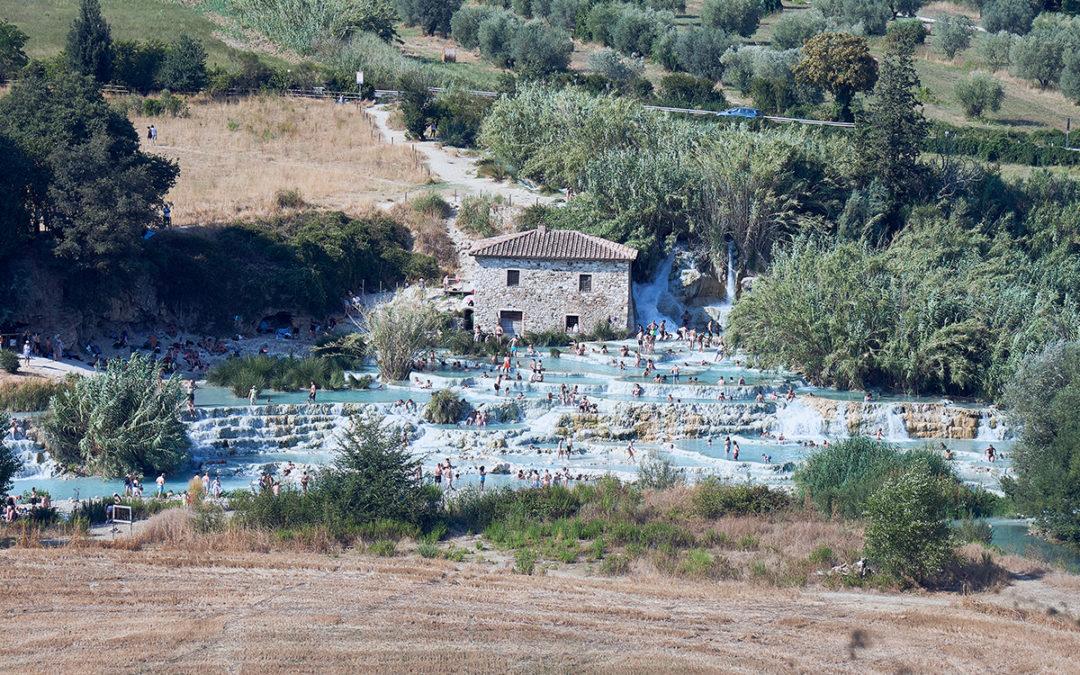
(279, 374)
(29, 394)
(841, 478)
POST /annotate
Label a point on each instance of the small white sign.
(359, 77)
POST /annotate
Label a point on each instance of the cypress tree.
(89, 43)
(890, 135)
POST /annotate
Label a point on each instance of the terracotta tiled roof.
(544, 244)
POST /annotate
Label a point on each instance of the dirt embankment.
(97, 610)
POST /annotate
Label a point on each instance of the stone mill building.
(543, 280)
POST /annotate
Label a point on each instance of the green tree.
(952, 34)
(793, 29)
(995, 49)
(698, 51)
(465, 24)
(124, 420)
(432, 16)
(12, 56)
(907, 534)
(1044, 402)
(867, 17)
(89, 43)
(840, 64)
(1070, 77)
(890, 134)
(734, 16)
(495, 37)
(16, 171)
(1013, 16)
(184, 66)
(136, 64)
(539, 49)
(374, 477)
(979, 92)
(90, 187)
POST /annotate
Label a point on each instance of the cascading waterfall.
(732, 281)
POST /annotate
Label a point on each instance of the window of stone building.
(572, 321)
(513, 277)
(584, 283)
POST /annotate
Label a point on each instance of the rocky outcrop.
(911, 419)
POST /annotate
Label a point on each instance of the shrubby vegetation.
(371, 489)
(1041, 56)
(446, 408)
(281, 374)
(793, 29)
(10, 464)
(304, 261)
(399, 330)
(125, 420)
(733, 16)
(952, 34)
(30, 394)
(864, 17)
(1044, 402)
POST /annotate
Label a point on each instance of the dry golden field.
(93, 609)
(235, 156)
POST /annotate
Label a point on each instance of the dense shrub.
(302, 261)
(183, 67)
(10, 464)
(659, 474)
(840, 479)
(432, 16)
(713, 499)
(124, 420)
(136, 64)
(279, 374)
(445, 407)
(1044, 402)
(612, 66)
(457, 116)
(9, 361)
(907, 535)
(1030, 148)
(979, 92)
(681, 90)
(29, 394)
(634, 30)
(478, 214)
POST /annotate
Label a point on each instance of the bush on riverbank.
(125, 420)
(372, 479)
(31, 394)
(280, 374)
(445, 407)
(841, 478)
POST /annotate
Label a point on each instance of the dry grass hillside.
(235, 157)
(93, 609)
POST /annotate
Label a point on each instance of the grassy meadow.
(236, 156)
(46, 22)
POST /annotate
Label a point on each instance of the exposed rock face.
(652, 422)
(693, 281)
(916, 420)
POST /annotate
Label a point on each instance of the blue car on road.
(742, 112)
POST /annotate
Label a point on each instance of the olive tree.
(1014, 16)
(734, 16)
(979, 92)
(907, 532)
(995, 49)
(952, 34)
(399, 331)
(793, 29)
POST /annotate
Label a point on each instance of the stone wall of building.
(547, 292)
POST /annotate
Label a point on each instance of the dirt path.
(458, 170)
(190, 611)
